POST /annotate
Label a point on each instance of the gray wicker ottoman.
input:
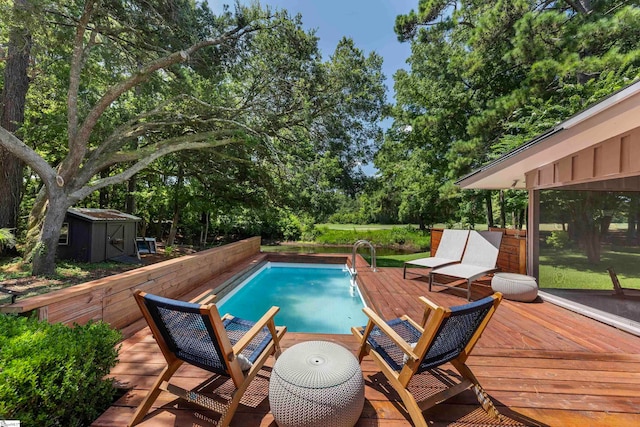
(516, 287)
(316, 383)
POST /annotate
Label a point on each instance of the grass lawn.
(395, 260)
(564, 269)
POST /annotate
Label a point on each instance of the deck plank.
(541, 364)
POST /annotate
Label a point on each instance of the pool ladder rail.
(356, 245)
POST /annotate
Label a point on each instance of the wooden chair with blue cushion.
(411, 355)
(195, 333)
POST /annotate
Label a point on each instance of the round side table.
(516, 287)
(316, 384)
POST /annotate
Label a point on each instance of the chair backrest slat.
(187, 332)
(452, 244)
(482, 248)
(455, 332)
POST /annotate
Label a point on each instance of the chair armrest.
(251, 333)
(204, 298)
(389, 332)
(429, 306)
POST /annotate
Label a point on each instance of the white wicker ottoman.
(516, 287)
(316, 383)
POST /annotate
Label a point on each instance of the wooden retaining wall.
(111, 298)
(512, 257)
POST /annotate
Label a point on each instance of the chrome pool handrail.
(356, 245)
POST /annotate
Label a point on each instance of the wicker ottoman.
(316, 383)
(516, 287)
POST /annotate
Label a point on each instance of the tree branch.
(188, 142)
(25, 153)
(81, 137)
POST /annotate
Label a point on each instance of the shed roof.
(614, 115)
(93, 214)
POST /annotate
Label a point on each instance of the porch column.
(533, 235)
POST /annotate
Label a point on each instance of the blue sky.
(368, 22)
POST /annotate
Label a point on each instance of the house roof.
(92, 214)
(614, 115)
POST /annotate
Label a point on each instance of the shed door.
(115, 240)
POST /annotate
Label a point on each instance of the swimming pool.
(316, 298)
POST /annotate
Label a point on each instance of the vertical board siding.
(617, 157)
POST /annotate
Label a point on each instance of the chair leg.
(468, 290)
(430, 281)
(412, 408)
(483, 398)
(404, 271)
(153, 394)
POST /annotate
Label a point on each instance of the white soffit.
(613, 116)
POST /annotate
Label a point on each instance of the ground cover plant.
(54, 375)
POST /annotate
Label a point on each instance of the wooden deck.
(542, 366)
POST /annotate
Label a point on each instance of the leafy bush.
(54, 375)
(558, 239)
(406, 236)
(290, 226)
(7, 239)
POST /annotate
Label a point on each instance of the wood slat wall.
(512, 257)
(111, 298)
(617, 157)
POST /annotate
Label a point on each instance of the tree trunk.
(130, 199)
(104, 192)
(522, 218)
(176, 208)
(204, 231)
(174, 225)
(589, 229)
(632, 218)
(14, 92)
(44, 255)
(503, 212)
(489, 205)
(591, 239)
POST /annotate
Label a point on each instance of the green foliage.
(558, 239)
(406, 236)
(260, 121)
(483, 78)
(54, 375)
(7, 239)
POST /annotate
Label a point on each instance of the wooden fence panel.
(111, 298)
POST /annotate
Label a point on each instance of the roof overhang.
(615, 115)
(94, 214)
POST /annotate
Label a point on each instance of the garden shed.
(94, 235)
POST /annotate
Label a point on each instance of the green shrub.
(559, 239)
(7, 239)
(406, 236)
(54, 375)
(290, 226)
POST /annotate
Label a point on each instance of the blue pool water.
(315, 298)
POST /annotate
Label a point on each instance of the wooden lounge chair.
(195, 333)
(449, 251)
(479, 259)
(410, 355)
